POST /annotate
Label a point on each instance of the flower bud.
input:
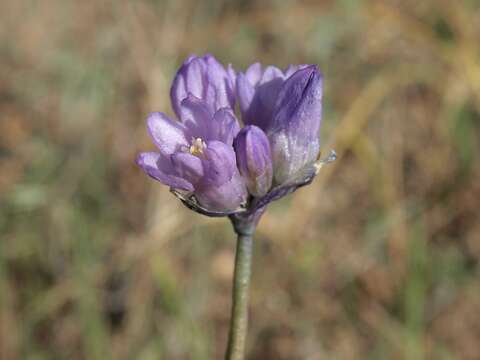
(294, 132)
(254, 159)
(257, 90)
(206, 79)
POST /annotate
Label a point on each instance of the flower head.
(196, 154)
(214, 167)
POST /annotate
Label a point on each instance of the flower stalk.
(240, 295)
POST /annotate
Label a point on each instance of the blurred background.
(377, 259)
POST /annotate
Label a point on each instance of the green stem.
(241, 284)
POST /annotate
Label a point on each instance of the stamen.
(197, 147)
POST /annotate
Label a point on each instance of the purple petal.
(267, 95)
(219, 91)
(254, 159)
(168, 135)
(263, 104)
(188, 79)
(232, 78)
(196, 115)
(205, 78)
(271, 73)
(296, 123)
(188, 166)
(222, 188)
(257, 92)
(254, 73)
(220, 164)
(227, 197)
(291, 69)
(151, 163)
(224, 126)
(299, 102)
(245, 93)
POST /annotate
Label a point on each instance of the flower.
(257, 91)
(287, 107)
(254, 159)
(217, 169)
(195, 154)
(205, 78)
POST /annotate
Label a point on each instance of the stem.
(241, 284)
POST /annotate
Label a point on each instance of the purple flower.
(254, 159)
(257, 92)
(287, 106)
(196, 154)
(215, 168)
(294, 131)
(205, 78)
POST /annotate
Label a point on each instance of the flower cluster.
(214, 166)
